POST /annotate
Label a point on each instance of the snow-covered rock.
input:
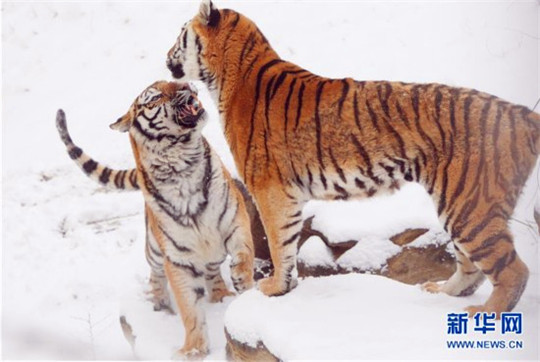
(361, 317)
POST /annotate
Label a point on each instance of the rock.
(419, 265)
(237, 351)
(257, 229)
(412, 265)
(407, 236)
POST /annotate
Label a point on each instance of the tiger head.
(209, 41)
(164, 110)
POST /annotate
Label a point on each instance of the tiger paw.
(242, 273)
(272, 286)
(190, 354)
(218, 295)
(472, 310)
(161, 303)
(432, 287)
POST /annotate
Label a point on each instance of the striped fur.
(296, 136)
(116, 179)
(194, 213)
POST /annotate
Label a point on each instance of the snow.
(73, 254)
(314, 252)
(384, 216)
(368, 254)
(359, 316)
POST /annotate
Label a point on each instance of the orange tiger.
(195, 215)
(296, 136)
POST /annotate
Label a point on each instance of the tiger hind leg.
(464, 282)
(159, 293)
(215, 284)
(187, 283)
(492, 251)
(498, 260)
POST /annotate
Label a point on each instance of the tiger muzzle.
(176, 69)
(188, 112)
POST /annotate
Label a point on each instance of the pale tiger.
(195, 215)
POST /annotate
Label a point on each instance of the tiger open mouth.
(188, 109)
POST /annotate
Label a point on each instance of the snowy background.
(72, 253)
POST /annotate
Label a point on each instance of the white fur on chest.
(177, 185)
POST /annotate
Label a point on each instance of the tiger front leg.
(281, 215)
(239, 245)
(215, 284)
(159, 293)
(187, 283)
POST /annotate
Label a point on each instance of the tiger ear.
(209, 14)
(122, 124)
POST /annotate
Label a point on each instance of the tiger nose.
(176, 69)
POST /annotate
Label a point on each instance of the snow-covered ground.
(72, 253)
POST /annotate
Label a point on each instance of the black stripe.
(123, 179)
(297, 214)
(225, 205)
(344, 93)
(234, 23)
(262, 70)
(483, 122)
(389, 169)
(75, 152)
(496, 132)
(189, 267)
(438, 98)
(322, 178)
(360, 184)
(318, 130)
(291, 239)
(150, 119)
(267, 97)
(291, 224)
(184, 40)
(343, 194)
(442, 195)
(336, 166)
(278, 83)
(250, 66)
(355, 110)
(89, 166)
(287, 102)
(362, 152)
(372, 116)
(228, 238)
(310, 175)
(383, 96)
(514, 148)
(465, 168)
(105, 174)
(402, 115)
(297, 177)
(250, 42)
(146, 134)
(177, 246)
(454, 95)
(133, 178)
(299, 109)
